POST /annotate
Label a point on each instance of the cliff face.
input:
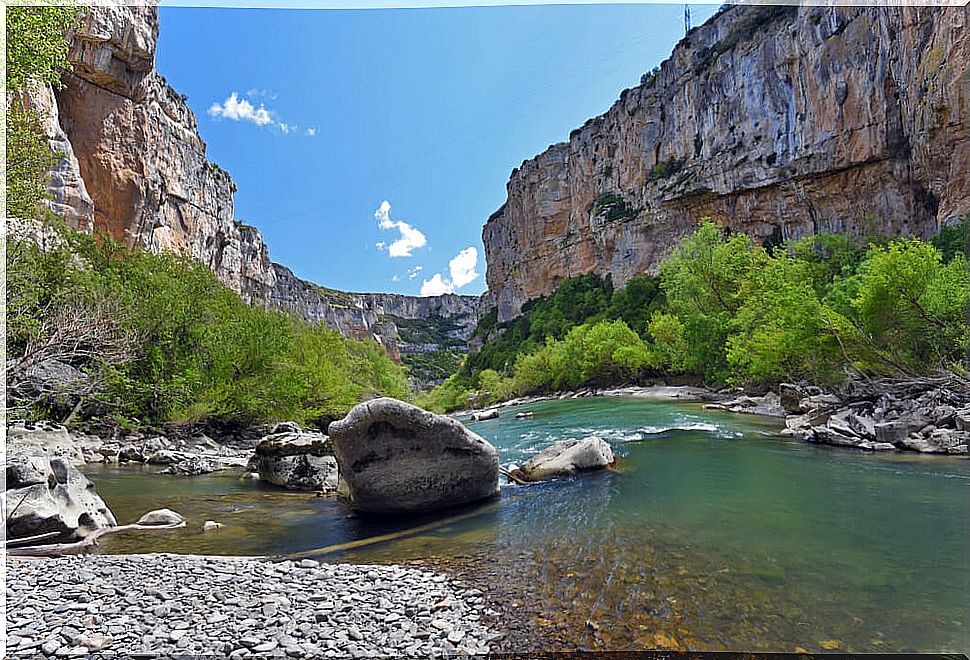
(777, 121)
(135, 167)
(376, 315)
(140, 156)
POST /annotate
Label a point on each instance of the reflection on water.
(713, 534)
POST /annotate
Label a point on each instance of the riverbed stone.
(568, 457)
(298, 460)
(139, 630)
(46, 494)
(395, 457)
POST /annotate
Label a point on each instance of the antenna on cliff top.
(686, 19)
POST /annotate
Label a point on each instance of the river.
(713, 533)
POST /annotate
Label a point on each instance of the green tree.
(911, 305)
(37, 43)
(782, 330)
(703, 280)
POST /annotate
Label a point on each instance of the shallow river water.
(714, 533)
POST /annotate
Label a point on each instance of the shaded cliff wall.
(774, 120)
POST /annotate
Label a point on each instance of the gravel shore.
(164, 605)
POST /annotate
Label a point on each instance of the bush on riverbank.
(162, 340)
(728, 311)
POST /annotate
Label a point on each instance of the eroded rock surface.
(395, 457)
(48, 494)
(296, 459)
(777, 121)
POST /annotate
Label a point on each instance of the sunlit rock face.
(778, 121)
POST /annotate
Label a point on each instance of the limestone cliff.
(135, 167)
(778, 121)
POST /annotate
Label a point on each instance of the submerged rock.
(161, 517)
(395, 457)
(299, 460)
(568, 457)
(47, 494)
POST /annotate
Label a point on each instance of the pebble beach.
(162, 605)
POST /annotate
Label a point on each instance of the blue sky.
(370, 146)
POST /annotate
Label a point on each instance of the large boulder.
(299, 460)
(568, 457)
(48, 494)
(395, 457)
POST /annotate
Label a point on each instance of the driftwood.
(30, 539)
(373, 540)
(511, 476)
(85, 544)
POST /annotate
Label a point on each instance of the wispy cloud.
(238, 109)
(260, 93)
(462, 269)
(411, 237)
(414, 272)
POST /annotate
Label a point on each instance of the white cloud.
(411, 237)
(413, 272)
(462, 267)
(311, 132)
(287, 128)
(436, 286)
(238, 109)
(395, 278)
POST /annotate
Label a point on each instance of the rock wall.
(778, 121)
(135, 167)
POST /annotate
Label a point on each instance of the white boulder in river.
(299, 460)
(398, 458)
(45, 494)
(568, 457)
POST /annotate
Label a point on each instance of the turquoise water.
(713, 533)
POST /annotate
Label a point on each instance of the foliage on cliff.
(36, 55)
(727, 310)
(183, 347)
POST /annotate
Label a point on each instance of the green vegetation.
(36, 47)
(613, 207)
(36, 54)
(727, 311)
(160, 339)
(954, 240)
(665, 168)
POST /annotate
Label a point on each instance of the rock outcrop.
(780, 121)
(45, 495)
(298, 460)
(926, 417)
(567, 457)
(398, 458)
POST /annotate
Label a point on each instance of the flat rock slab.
(178, 605)
(398, 458)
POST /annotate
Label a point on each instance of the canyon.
(134, 167)
(778, 121)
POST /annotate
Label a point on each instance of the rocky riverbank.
(929, 416)
(169, 605)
